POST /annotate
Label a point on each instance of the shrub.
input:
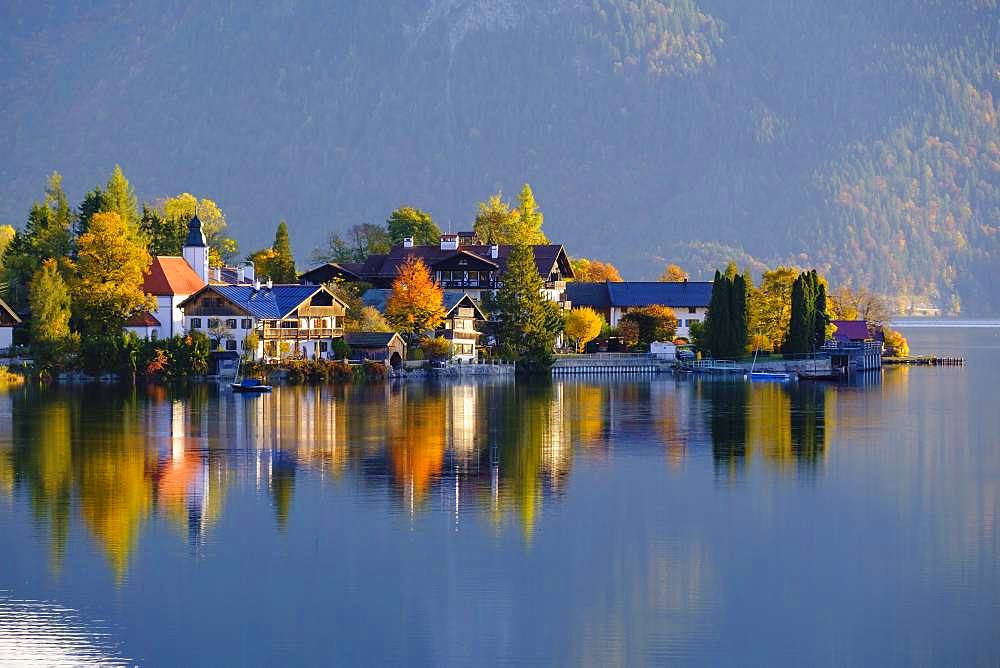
(436, 348)
(374, 370)
(341, 350)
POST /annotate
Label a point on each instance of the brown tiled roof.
(144, 319)
(171, 276)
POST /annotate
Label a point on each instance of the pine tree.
(93, 202)
(528, 228)
(528, 322)
(120, 198)
(282, 265)
(46, 234)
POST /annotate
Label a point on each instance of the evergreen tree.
(528, 322)
(46, 234)
(718, 316)
(822, 316)
(726, 329)
(120, 198)
(282, 265)
(802, 324)
(93, 202)
(528, 227)
(740, 314)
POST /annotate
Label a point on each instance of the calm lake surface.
(615, 521)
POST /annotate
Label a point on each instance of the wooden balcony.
(296, 334)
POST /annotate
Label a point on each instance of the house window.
(323, 346)
(231, 323)
(289, 324)
(692, 309)
(230, 344)
(213, 323)
(195, 323)
(246, 323)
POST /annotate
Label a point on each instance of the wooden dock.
(925, 360)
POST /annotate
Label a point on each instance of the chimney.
(449, 242)
(256, 285)
(241, 274)
(270, 283)
(407, 242)
(217, 274)
(495, 251)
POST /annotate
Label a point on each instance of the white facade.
(232, 332)
(685, 316)
(6, 337)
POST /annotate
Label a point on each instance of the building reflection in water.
(495, 450)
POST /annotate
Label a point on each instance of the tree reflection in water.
(113, 458)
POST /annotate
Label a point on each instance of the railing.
(606, 356)
(297, 333)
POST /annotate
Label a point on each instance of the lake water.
(598, 521)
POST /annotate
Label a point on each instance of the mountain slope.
(775, 131)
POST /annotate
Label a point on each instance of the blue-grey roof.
(684, 293)
(376, 297)
(594, 295)
(267, 303)
(196, 236)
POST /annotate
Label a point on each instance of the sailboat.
(767, 375)
(248, 385)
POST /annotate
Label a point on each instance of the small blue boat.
(770, 375)
(250, 386)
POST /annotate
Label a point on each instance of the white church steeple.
(196, 249)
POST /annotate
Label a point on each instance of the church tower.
(196, 249)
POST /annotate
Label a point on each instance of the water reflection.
(114, 459)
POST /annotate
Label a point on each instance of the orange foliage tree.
(416, 303)
(594, 271)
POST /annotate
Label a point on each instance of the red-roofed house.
(170, 280)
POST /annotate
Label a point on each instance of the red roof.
(144, 319)
(170, 276)
(851, 330)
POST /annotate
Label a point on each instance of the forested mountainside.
(859, 136)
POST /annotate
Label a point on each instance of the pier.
(611, 363)
(924, 360)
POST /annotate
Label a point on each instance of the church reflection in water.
(494, 452)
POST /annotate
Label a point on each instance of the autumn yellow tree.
(771, 308)
(673, 274)
(111, 266)
(416, 303)
(594, 271)
(582, 325)
(495, 220)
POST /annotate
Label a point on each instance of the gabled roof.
(371, 339)
(452, 300)
(9, 311)
(680, 294)
(171, 276)
(329, 270)
(851, 330)
(266, 303)
(144, 319)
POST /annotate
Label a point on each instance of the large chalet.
(456, 264)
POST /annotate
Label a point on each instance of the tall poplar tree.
(282, 264)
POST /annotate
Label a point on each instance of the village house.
(457, 265)
(462, 312)
(688, 299)
(8, 321)
(855, 346)
(288, 320)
